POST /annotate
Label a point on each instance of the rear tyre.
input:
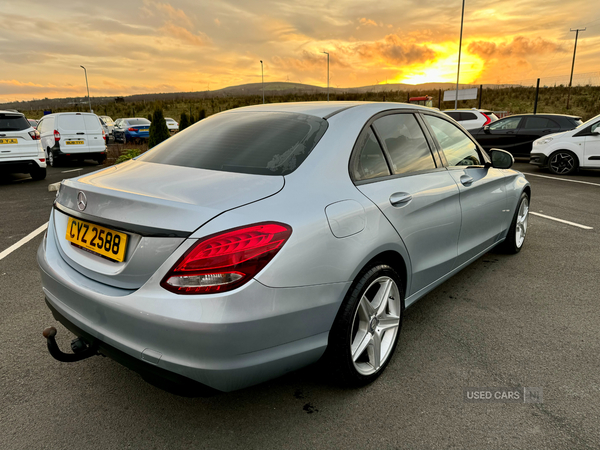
(101, 159)
(365, 333)
(518, 228)
(38, 174)
(50, 158)
(563, 162)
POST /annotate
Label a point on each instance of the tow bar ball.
(81, 350)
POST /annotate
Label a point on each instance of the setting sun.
(443, 69)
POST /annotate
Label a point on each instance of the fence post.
(480, 94)
(440, 100)
(537, 93)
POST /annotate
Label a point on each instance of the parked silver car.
(263, 238)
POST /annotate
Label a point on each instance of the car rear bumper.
(21, 166)
(224, 341)
(538, 159)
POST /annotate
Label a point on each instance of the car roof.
(8, 111)
(543, 115)
(325, 109)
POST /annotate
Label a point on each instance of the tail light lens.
(56, 136)
(488, 119)
(35, 135)
(132, 129)
(103, 134)
(225, 261)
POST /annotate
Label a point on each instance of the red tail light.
(225, 261)
(35, 135)
(488, 119)
(132, 129)
(56, 136)
(103, 134)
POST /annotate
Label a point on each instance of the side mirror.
(596, 132)
(501, 159)
(486, 129)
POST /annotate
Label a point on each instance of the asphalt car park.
(505, 321)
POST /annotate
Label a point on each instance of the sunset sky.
(132, 47)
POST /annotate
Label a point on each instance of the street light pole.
(88, 88)
(327, 74)
(262, 75)
(577, 30)
(459, 49)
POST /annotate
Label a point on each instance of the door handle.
(80, 133)
(466, 180)
(400, 199)
(510, 132)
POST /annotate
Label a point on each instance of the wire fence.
(579, 79)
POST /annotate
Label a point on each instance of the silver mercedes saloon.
(263, 239)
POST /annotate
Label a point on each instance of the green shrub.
(129, 154)
(183, 122)
(158, 129)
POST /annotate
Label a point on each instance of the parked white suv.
(72, 136)
(472, 119)
(108, 123)
(563, 153)
(20, 147)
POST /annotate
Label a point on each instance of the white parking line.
(72, 170)
(560, 179)
(585, 227)
(23, 241)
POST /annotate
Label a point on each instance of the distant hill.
(277, 87)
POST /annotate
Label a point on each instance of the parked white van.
(72, 136)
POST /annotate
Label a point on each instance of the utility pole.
(262, 75)
(327, 74)
(88, 88)
(459, 49)
(537, 94)
(577, 30)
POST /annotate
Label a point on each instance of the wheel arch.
(393, 259)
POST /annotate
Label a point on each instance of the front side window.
(405, 143)
(458, 148)
(369, 162)
(510, 123)
(261, 143)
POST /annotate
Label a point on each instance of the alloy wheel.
(521, 225)
(562, 163)
(375, 325)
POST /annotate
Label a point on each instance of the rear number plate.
(103, 241)
(74, 142)
(9, 141)
(143, 129)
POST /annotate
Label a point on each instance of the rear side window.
(454, 114)
(13, 122)
(369, 162)
(467, 116)
(534, 123)
(405, 143)
(92, 123)
(261, 143)
(458, 148)
(71, 122)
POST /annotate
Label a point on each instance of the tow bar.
(81, 350)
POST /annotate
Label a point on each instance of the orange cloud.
(174, 14)
(519, 46)
(394, 50)
(365, 21)
(184, 35)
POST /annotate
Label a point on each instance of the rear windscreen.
(261, 143)
(138, 121)
(92, 123)
(13, 122)
(71, 122)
